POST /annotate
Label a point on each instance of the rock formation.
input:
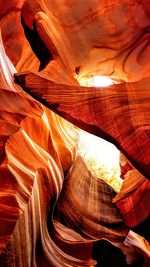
(52, 209)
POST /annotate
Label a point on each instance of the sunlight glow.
(102, 81)
(102, 151)
(101, 157)
(97, 81)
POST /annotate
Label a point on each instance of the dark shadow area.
(108, 255)
(37, 45)
(143, 228)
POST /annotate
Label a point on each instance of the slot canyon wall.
(52, 209)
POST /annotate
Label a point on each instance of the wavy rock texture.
(37, 154)
(52, 210)
(99, 38)
(105, 112)
(16, 45)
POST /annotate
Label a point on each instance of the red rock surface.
(50, 206)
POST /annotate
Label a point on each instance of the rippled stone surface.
(99, 38)
(52, 209)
